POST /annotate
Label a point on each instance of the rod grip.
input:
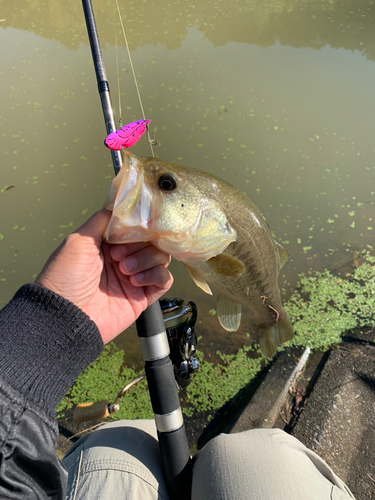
(173, 442)
(85, 412)
(151, 321)
(177, 464)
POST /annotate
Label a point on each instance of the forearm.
(45, 343)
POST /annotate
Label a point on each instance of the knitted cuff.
(45, 343)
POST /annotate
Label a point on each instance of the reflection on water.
(275, 98)
(296, 23)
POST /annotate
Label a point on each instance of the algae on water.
(103, 380)
(323, 308)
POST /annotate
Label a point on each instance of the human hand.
(92, 275)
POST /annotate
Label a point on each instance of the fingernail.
(129, 264)
(138, 278)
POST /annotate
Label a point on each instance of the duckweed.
(322, 309)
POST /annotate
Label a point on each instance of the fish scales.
(214, 229)
(259, 273)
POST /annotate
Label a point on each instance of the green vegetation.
(103, 380)
(321, 310)
(214, 384)
(326, 306)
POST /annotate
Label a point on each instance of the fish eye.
(167, 182)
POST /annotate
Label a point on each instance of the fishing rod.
(151, 331)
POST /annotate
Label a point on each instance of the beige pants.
(121, 460)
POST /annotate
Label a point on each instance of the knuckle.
(72, 240)
(166, 279)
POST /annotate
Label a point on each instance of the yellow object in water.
(213, 228)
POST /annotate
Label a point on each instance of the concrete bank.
(329, 407)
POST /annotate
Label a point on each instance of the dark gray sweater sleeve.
(45, 343)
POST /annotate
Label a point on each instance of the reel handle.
(99, 410)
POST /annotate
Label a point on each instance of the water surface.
(276, 98)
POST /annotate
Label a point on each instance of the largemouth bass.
(213, 228)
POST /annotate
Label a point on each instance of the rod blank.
(101, 78)
(174, 446)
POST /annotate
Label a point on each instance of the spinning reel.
(179, 321)
(181, 337)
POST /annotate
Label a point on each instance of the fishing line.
(153, 141)
(117, 66)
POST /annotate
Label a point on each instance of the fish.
(220, 236)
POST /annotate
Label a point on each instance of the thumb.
(95, 225)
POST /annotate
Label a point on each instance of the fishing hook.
(152, 141)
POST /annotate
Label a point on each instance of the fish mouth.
(120, 232)
(142, 212)
(132, 211)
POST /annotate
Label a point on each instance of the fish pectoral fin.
(226, 265)
(198, 279)
(283, 254)
(228, 313)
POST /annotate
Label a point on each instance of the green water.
(276, 98)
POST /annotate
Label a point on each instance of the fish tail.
(268, 340)
(272, 336)
(284, 328)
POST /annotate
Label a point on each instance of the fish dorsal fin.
(228, 313)
(198, 279)
(284, 256)
(226, 265)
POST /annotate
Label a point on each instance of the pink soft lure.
(126, 136)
